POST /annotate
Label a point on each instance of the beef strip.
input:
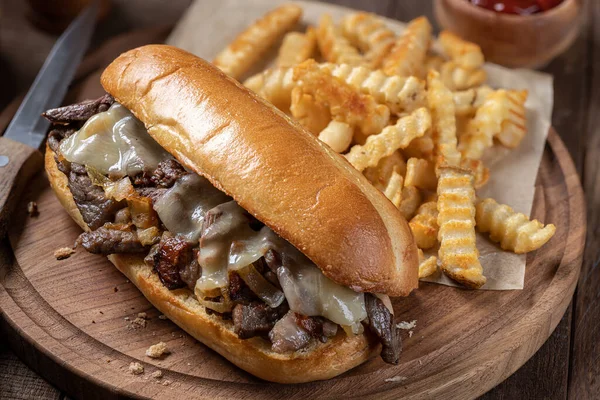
(95, 208)
(173, 255)
(111, 239)
(312, 325)
(191, 272)
(152, 193)
(79, 112)
(255, 319)
(287, 335)
(164, 176)
(239, 292)
(57, 134)
(381, 323)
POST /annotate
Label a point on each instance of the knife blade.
(51, 84)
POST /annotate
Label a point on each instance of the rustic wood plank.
(584, 382)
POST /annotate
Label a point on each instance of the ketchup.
(521, 7)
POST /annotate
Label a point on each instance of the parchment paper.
(209, 26)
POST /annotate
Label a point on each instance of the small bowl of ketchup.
(514, 33)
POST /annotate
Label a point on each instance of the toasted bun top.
(271, 166)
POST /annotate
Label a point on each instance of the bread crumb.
(161, 316)
(136, 368)
(410, 333)
(142, 315)
(32, 209)
(157, 374)
(166, 382)
(157, 350)
(407, 325)
(126, 318)
(396, 379)
(137, 323)
(63, 253)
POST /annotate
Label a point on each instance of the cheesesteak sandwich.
(236, 223)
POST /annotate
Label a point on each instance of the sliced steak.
(164, 176)
(255, 319)
(111, 240)
(79, 112)
(191, 272)
(95, 208)
(239, 292)
(173, 255)
(381, 323)
(312, 325)
(287, 335)
(57, 134)
(151, 192)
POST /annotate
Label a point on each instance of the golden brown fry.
(466, 102)
(310, 114)
(467, 55)
(514, 231)
(420, 173)
(274, 85)
(411, 200)
(407, 56)
(457, 78)
(400, 94)
(456, 219)
(370, 34)
(297, 47)
(393, 190)
(250, 45)
(443, 121)
(514, 126)
(433, 62)
(333, 45)
(424, 225)
(346, 103)
(421, 147)
(427, 266)
(481, 174)
(392, 138)
(486, 124)
(380, 175)
(337, 135)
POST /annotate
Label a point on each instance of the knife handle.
(18, 163)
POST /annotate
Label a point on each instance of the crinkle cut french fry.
(370, 34)
(466, 102)
(421, 147)
(420, 173)
(443, 121)
(514, 127)
(337, 135)
(346, 103)
(486, 124)
(274, 85)
(250, 45)
(407, 56)
(411, 200)
(467, 55)
(400, 94)
(424, 225)
(427, 266)
(310, 114)
(481, 174)
(456, 219)
(333, 45)
(297, 47)
(380, 175)
(458, 78)
(514, 231)
(393, 190)
(392, 138)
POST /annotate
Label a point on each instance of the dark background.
(568, 364)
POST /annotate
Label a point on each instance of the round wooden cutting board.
(71, 320)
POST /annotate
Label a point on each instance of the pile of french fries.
(414, 122)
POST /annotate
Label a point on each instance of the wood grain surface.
(568, 363)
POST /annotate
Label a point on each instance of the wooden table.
(568, 365)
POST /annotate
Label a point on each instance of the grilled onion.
(261, 287)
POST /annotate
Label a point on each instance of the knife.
(20, 157)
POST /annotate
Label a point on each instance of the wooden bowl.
(529, 41)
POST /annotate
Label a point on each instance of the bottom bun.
(317, 362)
